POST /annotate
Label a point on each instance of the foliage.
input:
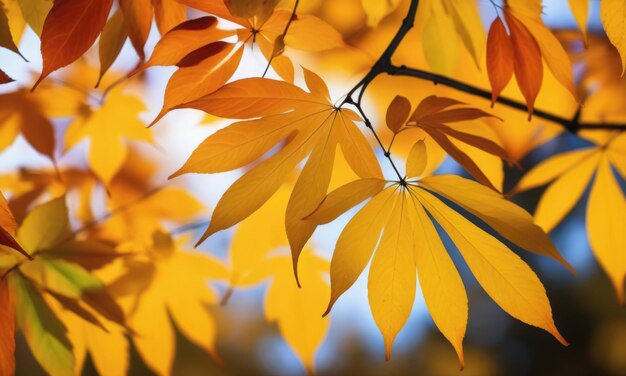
(94, 256)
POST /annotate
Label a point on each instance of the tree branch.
(573, 125)
(384, 65)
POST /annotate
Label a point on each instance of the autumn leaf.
(45, 334)
(296, 310)
(378, 10)
(448, 23)
(176, 290)
(4, 78)
(580, 10)
(108, 128)
(35, 13)
(7, 334)
(6, 38)
(8, 228)
(531, 41)
(303, 124)
(168, 14)
(22, 113)
(254, 259)
(397, 113)
(500, 58)
(399, 212)
(111, 42)
(612, 15)
(70, 29)
(434, 115)
(569, 175)
(206, 62)
(138, 22)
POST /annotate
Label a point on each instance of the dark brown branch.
(573, 125)
(384, 65)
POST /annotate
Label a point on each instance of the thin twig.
(381, 66)
(282, 36)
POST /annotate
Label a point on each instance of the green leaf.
(44, 333)
(62, 277)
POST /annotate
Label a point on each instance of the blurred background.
(584, 306)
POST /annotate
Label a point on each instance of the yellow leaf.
(307, 123)
(298, 311)
(417, 160)
(345, 197)
(45, 226)
(606, 221)
(308, 192)
(468, 25)
(391, 282)
(440, 282)
(552, 168)
(508, 219)
(108, 128)
(580, 10)
(505, 277)
(356, 243)
(35, 12)
(178, 287)
(440, 40)
(376, 10)
(564, 193)
(612, 13)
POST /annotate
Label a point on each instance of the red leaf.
(69, 30)
(500, 58)
(4, 78)
(528, 65)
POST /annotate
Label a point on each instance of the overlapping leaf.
(448, 23)
(568, 175)
(207, 58)
(57, 274)
(108, 127)
(521, 52)
(8, 228)
(403, 213)
(434, 115)
(175, 289)
(301, 124)
(70, 29)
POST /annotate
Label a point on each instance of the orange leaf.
(69, 30)
(7, 331)
(138, 21)
(397, 113)
(168, 14)
(528, 65)
(202, 72)
(183, 40)
(500, 58)
(431, 105)
(459, 156)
